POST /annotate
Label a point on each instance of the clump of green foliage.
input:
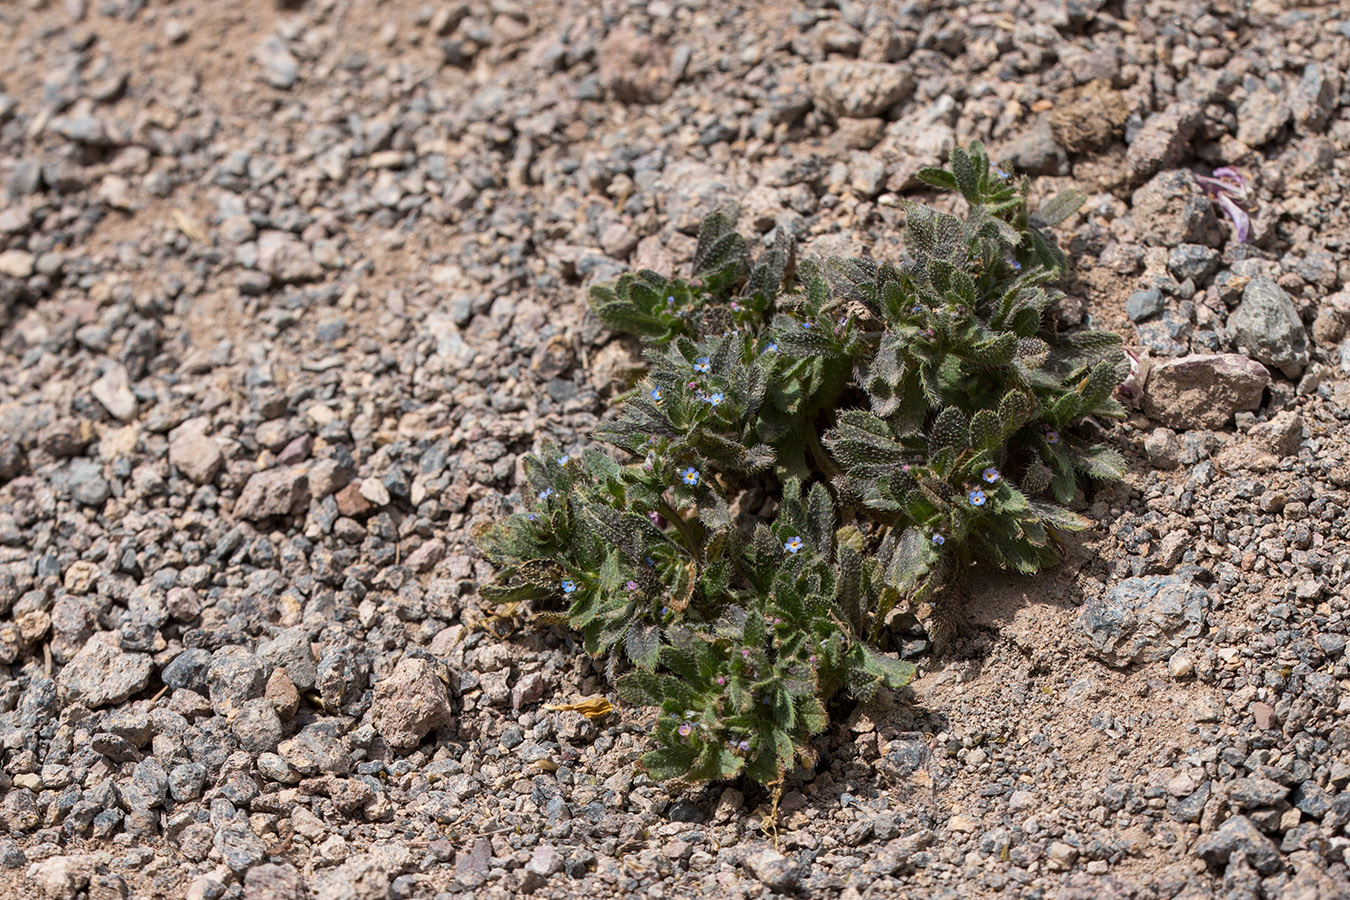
(813, 447)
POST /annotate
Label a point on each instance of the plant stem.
(691, 541)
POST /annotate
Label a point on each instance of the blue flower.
(806, 324)
(568, 587)
(564, 459)
(656, 394)
(771, 347)
(531, 517)
(743, 746)
(689, 476)
(939, 540)
(1017, 266)
(702, 365)
(977, 497)
(670, 301)
(1052, 437)
(545, 493)
(1002, 174)
(793, 545)
(916, 309)
(715, 398)
(990, 475)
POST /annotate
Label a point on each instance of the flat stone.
(859, 90)
(1143, 619)
(275, 492)
(1203, 391)
(279, 66)
(103, 674)
(286, 258)
(1171, 209)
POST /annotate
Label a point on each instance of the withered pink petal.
(1241, 222)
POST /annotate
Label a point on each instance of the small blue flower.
(531, 517)
(977, 497)
(806, 325)
(656, 394)
(743, 746)
(689, 476)
(564, 459)
(670, 301)
(715, 398)
(1002, 174)
(939, 540)
(1052, 437)
(568, 587)
(916, 309)
(793, 545)
(990, 475)
(545, 493)
(702, 365)
(771, 347)
(1017, 266)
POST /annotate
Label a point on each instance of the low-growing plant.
(814, 447)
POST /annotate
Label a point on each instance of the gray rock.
(1194, 261)
(857, 89)
(291, 649)
(286, 258)
(113, 390)
(148, 786)
(319, 747)
(257, 726)
(16, 264)
(1165, 139)
(411, 701)
(544, 863)
(275, 492)
(103, 674)
(1266, 324)
(87, 485)
(188, 670)
(1171, 209)
(234, 677)
(1143, 619)
(1315, 97)
(1239, 834)
(279, 66)
(1036, 152)
(1203, 391)
(1192, 806)
(1142, 305)
(1255, 791)
(273, 881)
(774, 870)
(1261, 117)
(185, 781)
(1163, 449)
(196, 455)
(240, 848)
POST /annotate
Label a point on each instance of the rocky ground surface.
(287, 289)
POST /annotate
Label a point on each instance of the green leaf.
(939, 178)
(951, 429)
(643, 645)
(986, 430)
(1058, 208)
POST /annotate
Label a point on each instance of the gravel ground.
(287, 289)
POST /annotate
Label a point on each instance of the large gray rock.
(1238, 833)
(409, 702)
(1266, 324)
(1203, 391)
(1143, 619)
(859, 90)
(774, 870)
(1171, 209)
(103, 674)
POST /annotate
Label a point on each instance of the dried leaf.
(591, 707)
